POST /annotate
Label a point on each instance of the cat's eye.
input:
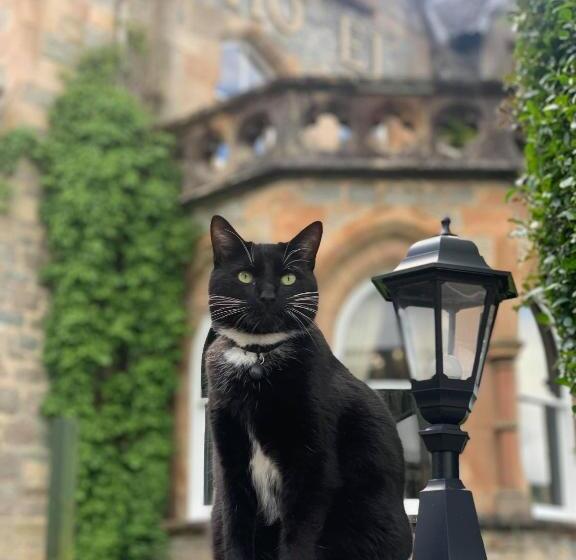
(288, 279)
(245, 277)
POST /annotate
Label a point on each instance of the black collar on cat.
(262, 348)
(257, 371)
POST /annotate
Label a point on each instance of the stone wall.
(529, 543)
(190, 543)
(23, 449)
(39, 40)
(315, 37)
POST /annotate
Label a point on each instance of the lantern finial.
(446, 226)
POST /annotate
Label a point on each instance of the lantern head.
(446, 298)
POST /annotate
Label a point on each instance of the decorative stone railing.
(341, 127)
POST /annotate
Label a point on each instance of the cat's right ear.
(226, 242)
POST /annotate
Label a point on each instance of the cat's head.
(263, 288)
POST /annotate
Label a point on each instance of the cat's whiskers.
(256, 325)
(308, 302)
(313, 301)
(214, 307)
(218, 308)
(303, 294)
(240, 319)
(302, 314)
(219, 315)
(226, 312)
(304, 308)
(291, 312)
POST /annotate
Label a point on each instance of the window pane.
(240, 69)
(539, 436)
(208, 473)
(532, 366)
(539, 414)
(373, 349)
(462, 307)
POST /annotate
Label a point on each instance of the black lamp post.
(446, 298)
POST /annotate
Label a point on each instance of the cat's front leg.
(306, 502)
(238, 529)
(238, 506)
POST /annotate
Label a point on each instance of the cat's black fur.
(338, 489)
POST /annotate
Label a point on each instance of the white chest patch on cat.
(239, 358)
(267, 483)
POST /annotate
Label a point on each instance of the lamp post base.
(447, 526)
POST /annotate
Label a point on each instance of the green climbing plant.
(13, 146)
(545, 82)
(119, 243)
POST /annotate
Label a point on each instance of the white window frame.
(197, 511)
(340, 336)
(565, 513)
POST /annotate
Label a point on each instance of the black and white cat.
(308, 464)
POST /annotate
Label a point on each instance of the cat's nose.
(268, 295)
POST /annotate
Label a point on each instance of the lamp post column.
(447, 527)
(446, 298)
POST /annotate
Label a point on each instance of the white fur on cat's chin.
(242, 338)
(240, 358)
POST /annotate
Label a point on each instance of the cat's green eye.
(245, 277)
(288, 279)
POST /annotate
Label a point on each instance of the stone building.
(376, 117)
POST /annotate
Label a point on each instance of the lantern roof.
(447, 252)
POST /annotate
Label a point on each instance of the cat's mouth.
(268, 319)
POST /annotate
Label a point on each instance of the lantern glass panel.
(462, 308)
(485, 342)
(415, 304)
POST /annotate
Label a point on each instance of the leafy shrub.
(13, 146)
(545, 81)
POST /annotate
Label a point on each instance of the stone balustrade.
(343, 127)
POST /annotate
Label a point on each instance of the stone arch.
(372, 243)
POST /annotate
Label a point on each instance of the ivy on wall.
(119, 243)
(13, 146)
(545, 81)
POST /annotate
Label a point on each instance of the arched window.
(199, 451)
(367, 341)
(546, 422)
(241, 69)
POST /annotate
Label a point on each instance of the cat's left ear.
(305, 245)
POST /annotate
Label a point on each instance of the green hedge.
(118, 244)
(545, 81)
